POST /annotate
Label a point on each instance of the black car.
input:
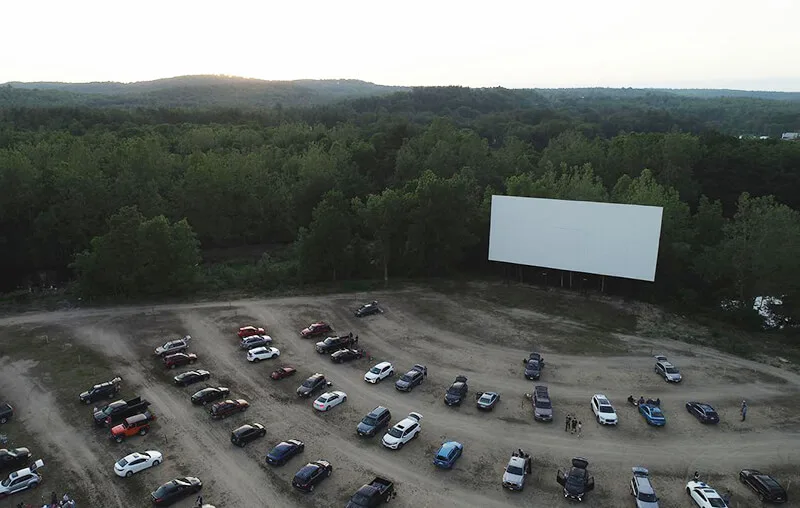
(703, 412)
(176, 490)
(191, 377)
(345, 355)
(457, 391)
(100, 391)
(576, 481)
(15, 459)
(331, 344)
(6, 412)
(767, 487)
(246, 433)
(368, 309)
(210, 394)
(377, 419)
(311, 474)
(533, 369)
(284, 451)
(312, 385)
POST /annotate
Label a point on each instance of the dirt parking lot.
(482, 331)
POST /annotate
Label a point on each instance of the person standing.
(569, 420)
(744, 410)
(580, 426)
(573, 424)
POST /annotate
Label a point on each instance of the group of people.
(573, 425)
(64, 502)
(656, 402)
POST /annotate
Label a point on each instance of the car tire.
(33, 485)
(143, 432)
(597, 417)
(128, 474)
(156, 462)
(400, 445)
(172, 366)
(89, 401)
(118, 439)
(204, 402)
(329, 472)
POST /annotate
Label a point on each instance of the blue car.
(652, 414)
(448, 454)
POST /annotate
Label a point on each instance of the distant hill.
(205, 91)
(188, 92)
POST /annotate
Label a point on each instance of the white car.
(262, 353)
(404, 431)
(704, 496)
(379, 372)
(603, 410)
(135, 462)
(329, 400)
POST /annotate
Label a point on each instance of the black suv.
(457, 391)
(412, 378)
(767, 487)
(246, 433)
(336, 343)
(105, 390)
(311, 474)
(377, 419)
(312, 385)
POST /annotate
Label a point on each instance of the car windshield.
(716, 502)
(443, 455)
(329, 340)
(309, 383)
(648, 498)
(280, 449)
(395, 432)
(533, 364)
(375, 370)
(606, 409)
(406, 377)
(122, 463)
(5, 482)
(654, 411)
(455, 389)
(486, 399)
(369, 420)
(543, 404)
(516, 470)
(164, 490)
(672, 370)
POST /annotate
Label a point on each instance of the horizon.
(714, 44)
(688, 86)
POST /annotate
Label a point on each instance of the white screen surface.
(580, 236)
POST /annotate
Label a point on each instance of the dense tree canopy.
(384, 187)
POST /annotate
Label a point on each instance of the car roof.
(516, 461)
(259, 349)
(377, 411)
(383, 364)
(601, 398)
(449, 445)
(405, 423)
(644, 485)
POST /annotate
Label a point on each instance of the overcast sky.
(533, 43)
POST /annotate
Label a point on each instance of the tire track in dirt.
(40, 415)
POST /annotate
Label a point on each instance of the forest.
(149, 202)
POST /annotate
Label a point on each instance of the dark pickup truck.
(332, 344)
(119, 410)
(373, 494)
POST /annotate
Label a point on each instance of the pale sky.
(534, 43)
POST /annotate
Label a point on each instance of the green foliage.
(139, 257)
(325, 249)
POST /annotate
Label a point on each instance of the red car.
(283, 372)
(172, 361)
(228, 407)
(316, 329)
(247, 331)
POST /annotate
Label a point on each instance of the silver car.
(21, 480)
(519, 466)
(642, 490)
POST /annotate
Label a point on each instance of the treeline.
(367, 199)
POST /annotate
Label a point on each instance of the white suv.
(603, 410)
(379, 372)
(404, 431)
(262, 353)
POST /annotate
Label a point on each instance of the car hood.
(646, 504)
(304, 390)
(452, 397)
(363, 427)
(515, 479)
(320, 344)
(402, 382)
(543, 411)
(84, 395)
